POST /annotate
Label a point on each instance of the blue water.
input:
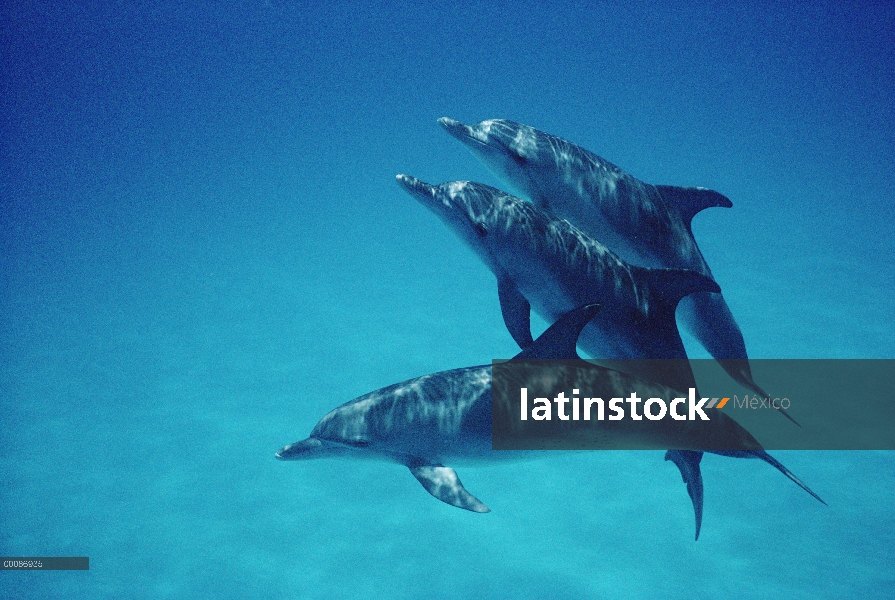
(203, 250)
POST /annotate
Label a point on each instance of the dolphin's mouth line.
(465, 136)
(425, 194)
(461, 132)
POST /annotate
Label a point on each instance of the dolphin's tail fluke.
(741, 373)
(709, 319)
(688, 463)
(777, 465)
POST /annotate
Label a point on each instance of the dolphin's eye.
(480, 230)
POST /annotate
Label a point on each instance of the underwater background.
(203, 250)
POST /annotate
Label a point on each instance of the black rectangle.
(839, 404)
(44, 563)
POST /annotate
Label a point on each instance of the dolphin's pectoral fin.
(688, 463)
(516, 311)
(690, 200)
(559, 340)
(443, 483)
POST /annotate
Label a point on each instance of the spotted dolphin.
(428, 421)
(546, 263)
(646, 225)
(446, 417)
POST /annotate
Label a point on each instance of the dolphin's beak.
(309, 448)
(451, 125)
(462, 132)
(426, 195)
(420, 190)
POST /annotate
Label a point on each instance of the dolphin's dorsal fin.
(516, 311)
(690, 200)
(443, 483)
(668, 286)
(688, 463)
(559, 340)
(659, 292)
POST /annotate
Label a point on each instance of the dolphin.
(646, 225)
(425, 422)
(546, 263)
(446, 417)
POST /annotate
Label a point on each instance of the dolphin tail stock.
(688, 201)
(443, 483)
(688, 463)
(710, 320)
(763, 455)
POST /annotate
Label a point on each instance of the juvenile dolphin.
(546, 263)
(446, 417)
(646, 225)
